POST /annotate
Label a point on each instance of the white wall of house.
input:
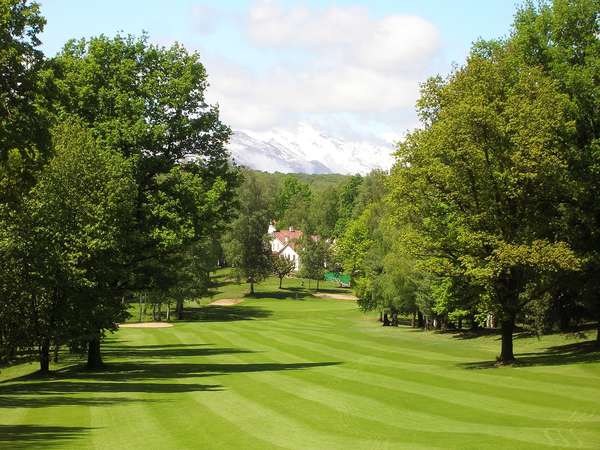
(277, 245)
(289, 253)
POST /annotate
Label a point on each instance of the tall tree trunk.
(94, 360)
(280, 280)
(508, 325)
(45, 355)
(56, 351)
(474, 324)
(179, 308)
(318, 284)
(252, 288)
(413, 321)
(420, 321)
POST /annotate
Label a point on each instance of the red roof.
(288, 236)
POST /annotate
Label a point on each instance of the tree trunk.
(598, 336)
(386, 321)
(508, 325)
(280, 280)
(420, 321)
(459, 326)
(45, 355)
(474, 324)
(94, 357)
(179, 308)
(252, 288)
(381, 316)
(318, 284)
(413, 321)
(56, 351)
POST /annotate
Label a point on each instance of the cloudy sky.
(350, 68)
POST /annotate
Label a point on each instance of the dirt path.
(146, 325)
(335, 296)
(226, 302)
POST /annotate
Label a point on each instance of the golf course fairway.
(287, 370)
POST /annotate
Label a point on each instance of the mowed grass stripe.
(431, 407)
(530, 392)
(447, 390)
(189, 422)
(315, 418)
(358, 409)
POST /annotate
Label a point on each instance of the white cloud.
(349, 63)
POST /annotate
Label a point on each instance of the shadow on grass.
(559, 355)
(346, 291)
(166, 351)
(37, 436)
(216, 313)
(76, 386)
(284, 293)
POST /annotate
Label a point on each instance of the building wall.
(288, 252)
(276, 245)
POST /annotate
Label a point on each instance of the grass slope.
(290, 371)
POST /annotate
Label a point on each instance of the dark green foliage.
(247, 245)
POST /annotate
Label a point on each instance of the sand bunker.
(146, 325)
(226, 302)
(335, 296)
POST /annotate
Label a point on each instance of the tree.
(247, 242)
(21, 126)
(313, 257)
(348, 194)
(282, 267)
(352, 247)
(79, 217)
(147, 103)
(478, 192)
(290, 190)
(562, 38)
(324, 212)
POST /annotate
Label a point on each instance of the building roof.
(289, 237)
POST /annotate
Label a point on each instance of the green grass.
(287, 370)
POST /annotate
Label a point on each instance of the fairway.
(288, 370)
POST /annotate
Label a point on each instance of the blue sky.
(348, 67)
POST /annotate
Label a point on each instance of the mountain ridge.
(307, 150)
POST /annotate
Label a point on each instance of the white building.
(285, 243)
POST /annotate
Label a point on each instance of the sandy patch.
(226, 302)
(146, 325)
(335, 296)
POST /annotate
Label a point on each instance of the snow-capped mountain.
(305, 149)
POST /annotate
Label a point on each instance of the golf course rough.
(307, 373)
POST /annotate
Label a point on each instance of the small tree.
(313, 255)
(282, 267)
(247, 244)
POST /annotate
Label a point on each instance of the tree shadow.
(283, 294)
(346, 291)
(168, 351)
(472, 334)
(74, 385)
(559, 355)
(217, 313)
(37, 436)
